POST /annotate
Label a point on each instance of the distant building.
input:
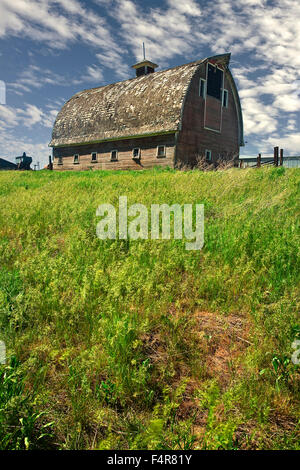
(24, 162)
(168, 118)
(6, 165)
(288, 162)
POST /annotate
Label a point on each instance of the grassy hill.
(141, 344)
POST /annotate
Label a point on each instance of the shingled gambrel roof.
(147, 105)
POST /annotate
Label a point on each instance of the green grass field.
(141, 344)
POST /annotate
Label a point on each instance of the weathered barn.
(168, 118)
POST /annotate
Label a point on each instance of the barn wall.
(194, 139)
(125, 148)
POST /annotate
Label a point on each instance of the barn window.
(208, 155)
(161, 151)
(60, 161)
(114, 155)
(225, 98)
(94, 157)
(202, 87)
(76, 158)
(214, 81)
(136, 153)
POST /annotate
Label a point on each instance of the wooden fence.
(277, 159)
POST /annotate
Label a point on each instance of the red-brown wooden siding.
(194, 139)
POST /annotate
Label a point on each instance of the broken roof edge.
(114, 139)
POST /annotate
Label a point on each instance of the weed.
(108, 332)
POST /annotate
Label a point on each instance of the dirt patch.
(197, 347)
(224, 340)
(210, 342)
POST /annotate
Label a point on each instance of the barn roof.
(147, 105)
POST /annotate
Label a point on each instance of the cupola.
(145, 66)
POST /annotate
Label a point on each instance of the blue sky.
(50, 49)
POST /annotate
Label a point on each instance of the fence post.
(276, 151)
(281, 157)
(259, 160)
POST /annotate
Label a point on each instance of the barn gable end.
(210, 125)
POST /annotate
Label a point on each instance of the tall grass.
(142, 344)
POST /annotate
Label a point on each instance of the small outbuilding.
(6, 165)
(167, 118)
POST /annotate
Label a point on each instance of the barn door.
(213, 103)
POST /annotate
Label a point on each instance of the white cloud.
(289, 142)
(170, 30)
(29, 116)
(35, 77)
(258, 118)
(8, 117)
(55, 22)
(277, 86)
(94, 73)
(114, 61)
(291, 125)
(188, 7)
